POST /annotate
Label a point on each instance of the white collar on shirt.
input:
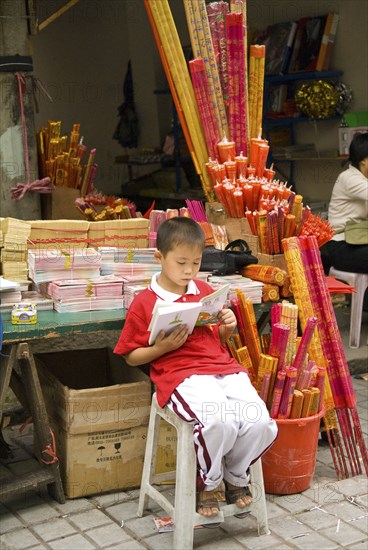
(170, 296)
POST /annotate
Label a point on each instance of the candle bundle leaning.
(60, 158)
(248, 327)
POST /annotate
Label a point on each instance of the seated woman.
(349, 202)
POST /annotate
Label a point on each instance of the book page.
(168, 317)
(212, 305)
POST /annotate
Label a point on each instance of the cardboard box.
(345, 137)
(236, 228)
(276, 260)
(93, 390)
(100, 461)
(98, 409)
(60, 204)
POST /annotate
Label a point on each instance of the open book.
(168, 315)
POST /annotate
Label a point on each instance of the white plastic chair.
(183, 512)
(360, 282)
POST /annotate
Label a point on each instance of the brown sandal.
(210, 502)
(232, 495)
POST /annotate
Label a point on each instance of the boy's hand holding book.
(172, 341)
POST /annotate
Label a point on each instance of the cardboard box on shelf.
(93, 390)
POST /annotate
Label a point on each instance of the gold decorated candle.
(263, 149)
(241, 165)
(230, 167)
(251, 171)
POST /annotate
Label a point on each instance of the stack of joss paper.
(103, 293)
(14, 249)
(45, 264)
(326, 350)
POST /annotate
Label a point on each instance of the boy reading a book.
(194, 374)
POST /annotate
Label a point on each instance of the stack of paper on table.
(65, 234)
(127, 255)
(53, 264)
(129, 270)
(31, 297)
(130, 292)
(104, 292)
(107, 286)
(9, 292)
(167, 316)
(124, 262)
(88, 304)
(251, 289)
(15, 235)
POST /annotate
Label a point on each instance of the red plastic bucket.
(288, 466)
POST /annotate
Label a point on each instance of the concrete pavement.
(330, 514)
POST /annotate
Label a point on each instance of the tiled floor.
(330, 514)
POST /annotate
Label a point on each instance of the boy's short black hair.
(358, 149)
(179, 230)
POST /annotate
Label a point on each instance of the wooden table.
(18, 370)
(52, 324)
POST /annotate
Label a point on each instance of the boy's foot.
(207, 504)
(241, 496)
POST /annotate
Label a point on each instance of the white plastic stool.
(360, 282)
(183, 512)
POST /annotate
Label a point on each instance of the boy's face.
(179, 266)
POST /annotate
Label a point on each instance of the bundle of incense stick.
(61, 160)
(326, 349)
(247, 326)
(201, 92)
(236, 67)
(256, 83)
(216, 12)
(202, 46)
(241, 7)
(181, 88)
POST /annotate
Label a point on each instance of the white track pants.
(231, 426)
